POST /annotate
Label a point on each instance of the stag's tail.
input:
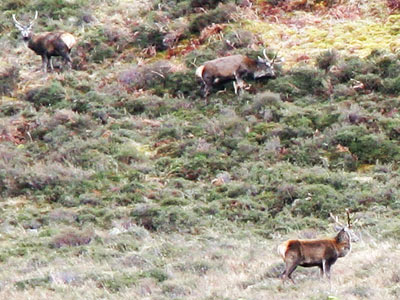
(282, 249)
(68, 39)
(199, 71)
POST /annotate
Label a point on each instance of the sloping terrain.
(118, 180)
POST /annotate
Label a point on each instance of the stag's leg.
(239, 84)
(68, 61)
(326, 269)
(290, 267)
(45, 61)
(207, 84)
(50, 63)
(205, 91)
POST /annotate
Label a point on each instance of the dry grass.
(213, 265)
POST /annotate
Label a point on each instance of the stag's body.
(235, 67)
(321, 253)
(48, 44)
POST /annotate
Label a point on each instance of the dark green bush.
(147, 36)
(100, 53)
(392, 85)
(350, 68)
(46, 96)
(239, 39)
(371, 81)
(308, 80)
(222, 14)
(319, 200)
(59, 9)
(327, 59)
(198, 57)
(182, 84)
(8, 80)
(367, 146)
(208, 4)
(388, 64)
(156, 218)
(41, 282)
(12, 4)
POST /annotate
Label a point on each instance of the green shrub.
(8, 80)
(198, 57)
(12, 4)
(182, 84)
(319, 200)
(60, 9)
(147, 76)
(239, 39)
(156, 218)
(46, 96)
(388, 65)
(391, 127)
(284, 86)
(371, 81)
(40, 282)
(327, 59)
(222, 14)
(101, 52)
(368, 147)
(115, 283)
(208, 4)
(350, 68)
(147, 36)
(391, 85)
(308, 80)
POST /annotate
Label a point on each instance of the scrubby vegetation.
(117, 180)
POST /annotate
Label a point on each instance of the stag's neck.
(344, 249)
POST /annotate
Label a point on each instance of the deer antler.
(350, 222)
(34, 19)
(276, 55)
(336, 220)
(18, 24)
(265, 54)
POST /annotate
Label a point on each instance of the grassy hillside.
(117, 180)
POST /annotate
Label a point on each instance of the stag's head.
(26, 30)
(346, 232)
(265, 66)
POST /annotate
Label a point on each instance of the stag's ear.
(343, 236)
(337, 228)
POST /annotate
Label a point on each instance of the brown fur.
(50, 44)
(234, 67)
(321, 253)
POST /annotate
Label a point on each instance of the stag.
(321, 253)
(235, 67)
(47, 44)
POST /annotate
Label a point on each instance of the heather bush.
(178, 84)
(368, 147)
(57, 9)
(71, 237)
(221, 14)
(8, 80)
(327, 59)
(147, 35)
(147, 76)
(48, 95)
(318, 199)
(391, 85)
